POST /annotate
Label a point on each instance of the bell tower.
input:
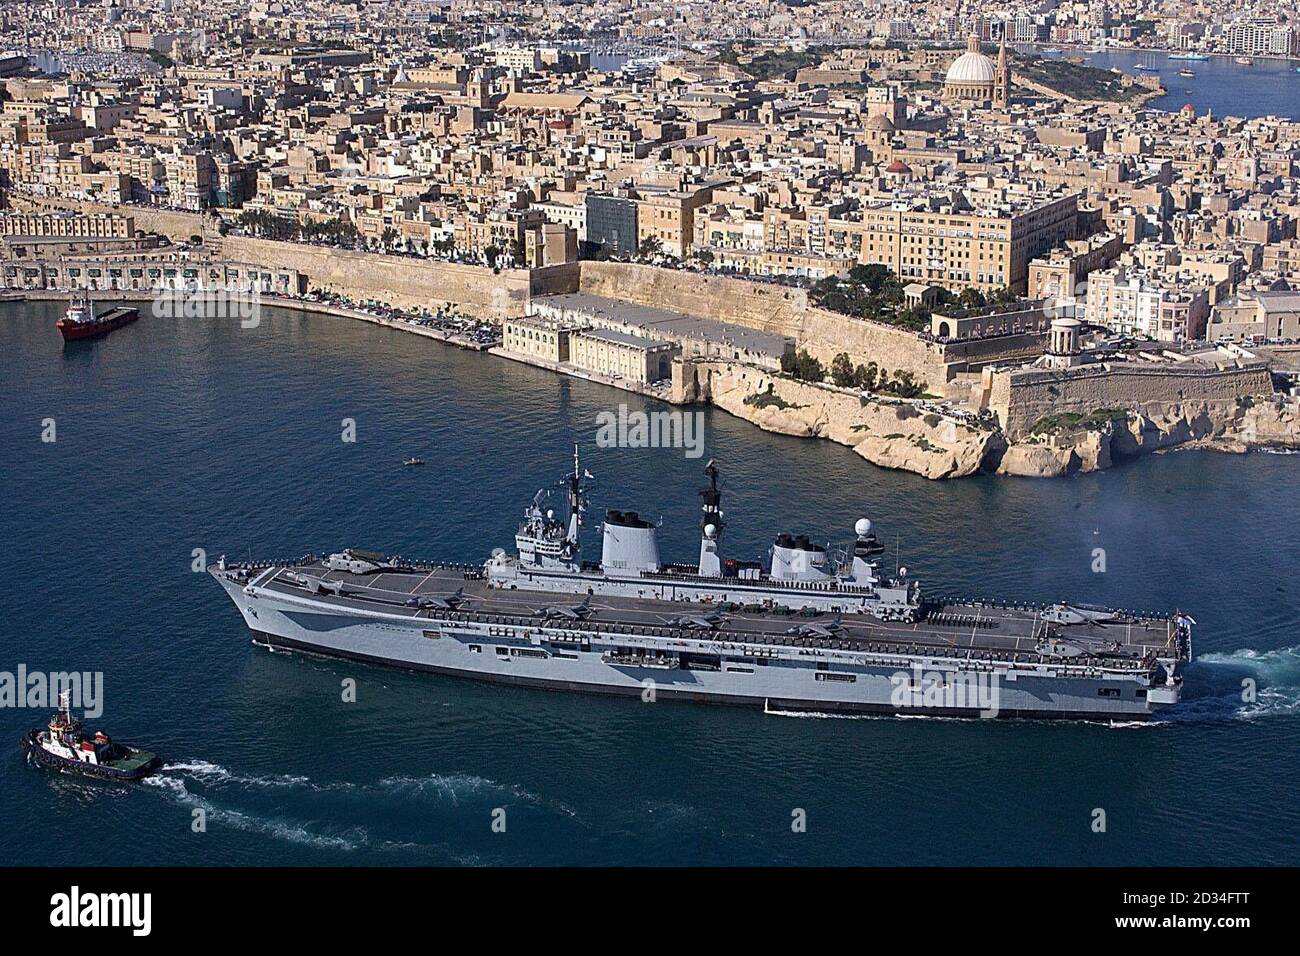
(1001, 76)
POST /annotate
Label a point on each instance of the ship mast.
(577, 504)
(711, 524)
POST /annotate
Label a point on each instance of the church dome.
(970, 69)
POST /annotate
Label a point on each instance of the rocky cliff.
(892, 434)
(921, 438)
(1223, 426)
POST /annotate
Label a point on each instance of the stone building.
(540, 337)
(974, 77)
(623, 355)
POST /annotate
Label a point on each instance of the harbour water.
(173, 435)
(1268, 87)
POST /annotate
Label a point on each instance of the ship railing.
(400, 564)
(940, 600)
(830, 584)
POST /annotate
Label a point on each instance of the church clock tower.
(1002, 76)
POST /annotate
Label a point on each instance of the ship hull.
(76, 331)
(39, 755)
(625, 662)
(773, 704)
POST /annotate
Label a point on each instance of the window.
(831, 675)
(1107, 691)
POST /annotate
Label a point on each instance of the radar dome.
(863, 527)
(550, 514)
(710, 531)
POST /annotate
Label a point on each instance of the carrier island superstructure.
(806, 629)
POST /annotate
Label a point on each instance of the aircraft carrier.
(806, 629)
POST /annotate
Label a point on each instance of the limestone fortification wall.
(772, 308)
(1021, 398)
(402, 281)
(406, 281)
(174, 224)
(969, 354)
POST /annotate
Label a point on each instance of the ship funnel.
(798, 559)
(630, 544)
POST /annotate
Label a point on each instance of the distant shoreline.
(276, 301)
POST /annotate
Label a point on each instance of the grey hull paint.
(789, 684)
(675, 694)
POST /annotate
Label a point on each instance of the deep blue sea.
(181, 434)
(1268, 87)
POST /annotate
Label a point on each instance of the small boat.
(1052, 49)
(1186, 72)
(64, 746)
(412, 461)
(1147, 68)
(81, 322)
(1244, 61)
(1188, 56)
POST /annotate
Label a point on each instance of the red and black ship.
(81, 322)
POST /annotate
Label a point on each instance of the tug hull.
(140, 763)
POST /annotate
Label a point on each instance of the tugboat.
(408, 462)
(81, 322)
(65, 746)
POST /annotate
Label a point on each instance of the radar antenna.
(712, 507)
(577, 501)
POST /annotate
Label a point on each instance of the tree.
(650, 248)
(842, 372)
(803, 366)
(905, 386)
(873, 276)
(809, 369)
(490, 254)
(917, 317)
(864, 377)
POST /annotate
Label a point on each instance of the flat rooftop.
(626, 338)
